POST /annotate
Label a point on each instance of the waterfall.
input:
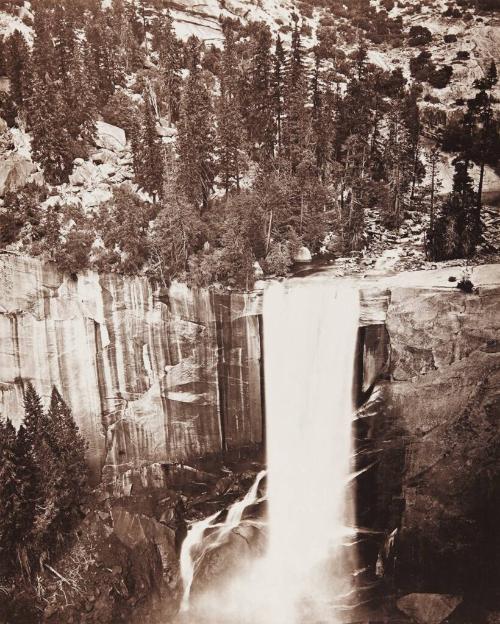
(304, 577)
(194, 546)
(310, 333)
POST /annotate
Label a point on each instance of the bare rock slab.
(428, 608)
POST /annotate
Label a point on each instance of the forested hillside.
(127, 148)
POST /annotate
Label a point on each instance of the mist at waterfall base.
(304, 573)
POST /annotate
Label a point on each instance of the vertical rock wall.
(150, 376)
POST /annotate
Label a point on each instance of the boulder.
(110, 137)
(165, 131)
(428, 608)
(104, 157)
(303, 255)
(4, 84)
(14, 173)
(257, 269)
(83, 174)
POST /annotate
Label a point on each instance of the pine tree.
(103, 58)
(456, 229)
(38, 441)
(411, 119)
(169, 52)
(148, 151)
(9, 495)
(65, 45)
(69, 447)
(52, 145)
(81, 111)
(196, 138)
(230, 130)
(177, 231)
(399, 158)
(17, 61)
(260, 117)
(278, 90)
(126, 45)
(319, 121)
(295, 126)
(29, 480)
(486, 142)
(33, 414)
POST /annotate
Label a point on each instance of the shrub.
(439, 78)
(419, 35)
(452, 12)
(121, 111)
(22, 214)
(123, 227)
(450, 38)
(279, 260)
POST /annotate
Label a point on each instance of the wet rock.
(220, 563)
(428, 608)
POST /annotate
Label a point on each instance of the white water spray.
(193, 547)
(310, 332)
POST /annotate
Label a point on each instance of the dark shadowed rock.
(428, 608)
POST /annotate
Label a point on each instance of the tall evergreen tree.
(52, 145)
(148, 151)
(125, 42)
(486, 140)
(278, 90)
(456, 228)
(69, 447)
(10, 490)
(260, 118)
(412, 122)
(169, 52)
(296, 122)
(400, 164)
(196, 138)
(177, 231)
(17, 61)
(230, 130)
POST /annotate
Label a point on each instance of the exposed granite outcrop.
(433, 424)
(150, 375)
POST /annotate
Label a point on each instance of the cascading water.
(193, 547)
(310, 332)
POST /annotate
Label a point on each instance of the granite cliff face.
(433, 422)
(150, 376)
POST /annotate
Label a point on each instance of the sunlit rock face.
(150, 376)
